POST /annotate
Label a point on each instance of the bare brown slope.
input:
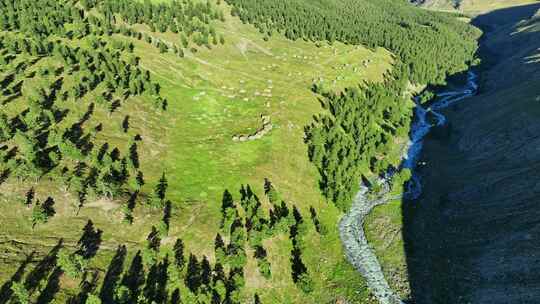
(474, 235)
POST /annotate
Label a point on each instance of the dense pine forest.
(357, 135)
(432, 46)
(88, 88)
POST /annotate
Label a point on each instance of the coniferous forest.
(74, 81)
(394, 25)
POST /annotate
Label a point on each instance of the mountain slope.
(155, 151)
(472, 7)
(214, 92)
(476, 225)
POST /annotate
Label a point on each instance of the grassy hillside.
(479, 6)
(474, 7)
(126, 125)
(395, 25)
(213, 94)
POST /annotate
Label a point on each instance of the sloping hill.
(476, 7)
(125, 126)
(214, 92)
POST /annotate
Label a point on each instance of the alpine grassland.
(197, 151)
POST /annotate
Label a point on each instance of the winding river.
(351, 226)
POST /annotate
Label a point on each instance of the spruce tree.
(193, 275)
(179, 258)
(39, 214)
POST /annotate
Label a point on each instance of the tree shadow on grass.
(133, 279)
(156, 283)
(42, 269)
(112, 276)
(90, 241)
(88, 285)
(5, 290)
(52, 287)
